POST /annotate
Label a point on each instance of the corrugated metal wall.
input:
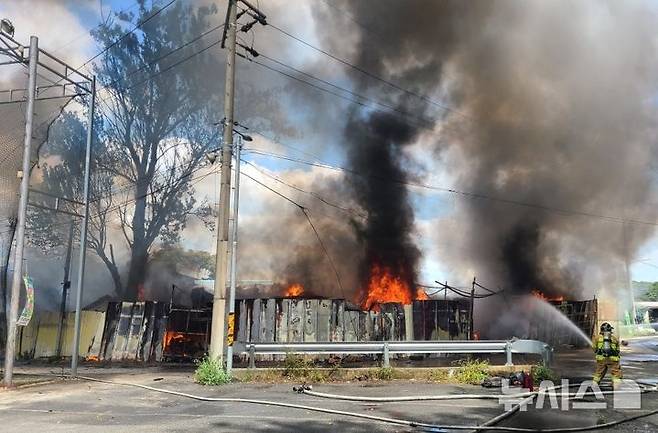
(309, 320)
(39, 338)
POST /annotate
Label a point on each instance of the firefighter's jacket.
(613, 353)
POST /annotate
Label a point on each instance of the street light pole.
(75, 350)
(230, 337)
(10, 348)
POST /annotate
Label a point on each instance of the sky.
(63, 28)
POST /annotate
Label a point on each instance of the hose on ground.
(451, 397)
(396, 421)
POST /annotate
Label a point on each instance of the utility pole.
(10, 349)
(470, 325)
(445, 302)
(75, 350)
(629, 279)
(66, 285)
(221, 260)
(230, 337)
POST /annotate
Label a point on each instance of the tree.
(62, 176)
(156, 127)
(652, 293)
(189, 262)
(160, 125)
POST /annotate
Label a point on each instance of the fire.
(537, 294)
(385, 287)
(92, 358)
(173, 336)
(421, 295)
(294, 291)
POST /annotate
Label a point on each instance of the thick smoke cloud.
(552, 107)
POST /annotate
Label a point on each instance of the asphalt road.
(80, 406)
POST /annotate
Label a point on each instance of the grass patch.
(294, 365)
(437, 375)
(210, 372)
(541, 372)
(471, 371)
(384, 373)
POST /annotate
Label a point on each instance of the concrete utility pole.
(219, 297)
(66, 284)
(470, 325)
(629, 279)
(10, 349)
(75, 350)
(230, 337)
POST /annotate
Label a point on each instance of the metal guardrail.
(386, 348)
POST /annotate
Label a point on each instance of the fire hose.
(396, 421)
(307, 390)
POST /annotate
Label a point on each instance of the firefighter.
(606, 348)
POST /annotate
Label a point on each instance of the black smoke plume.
(550, 124)
(375, 145)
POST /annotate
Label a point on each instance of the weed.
(438, 375)
(210, 372)
(471, 371)
(294, 365)
(541, 372)
(384, 373)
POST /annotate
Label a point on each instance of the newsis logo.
(627, 394)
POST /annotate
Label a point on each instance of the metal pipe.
(10, 348)
(75, 350)
(230, 336)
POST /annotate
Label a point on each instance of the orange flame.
(171, 336)
(421, 295)
(92, 358)
(294, 291)
(538, 294)
(385, 287)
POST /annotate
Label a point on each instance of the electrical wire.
(466, 194)
(420, 122)
(125, 35)
(311, 193)
(367, 73)
(308, 218)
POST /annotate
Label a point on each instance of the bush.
(384, 373)
(210, 372)
(294, 365)
(472, 372)
(540, 372)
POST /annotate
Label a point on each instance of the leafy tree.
(185, 261)
(62, 176)
(158, 109)
(156, 128)
(652, 293)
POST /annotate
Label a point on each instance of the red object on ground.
(528, 382)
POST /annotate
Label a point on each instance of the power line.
(305, 211)
(421, 122)
(125, 35)
(467, 194)
(87, 32)
(367, 73)
(311, 193)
